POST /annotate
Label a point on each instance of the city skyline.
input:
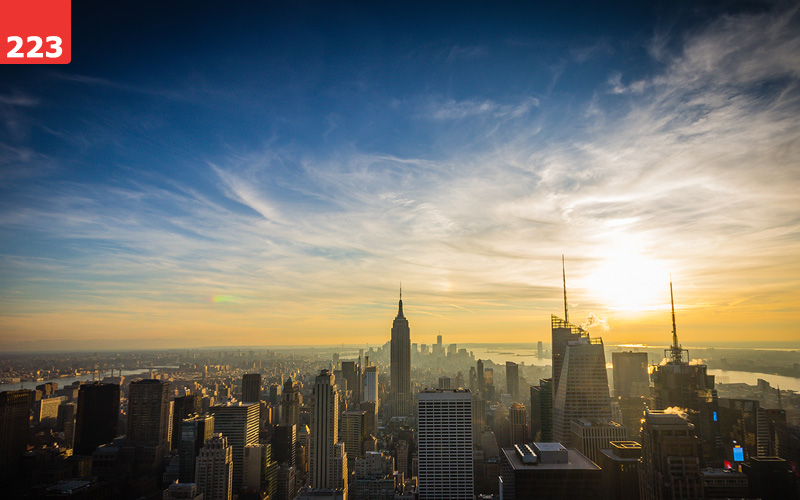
(269, 174)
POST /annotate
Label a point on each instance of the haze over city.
(222, 175)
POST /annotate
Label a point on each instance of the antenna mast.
(564, 277)
(676, 349)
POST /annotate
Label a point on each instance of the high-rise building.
(14, 422)
(149, 420)
(238, 422)
(400, 365)
(370, 409)
(582, 392)
(670, 466)
(444, 450)
(678, 383)
(324, 429)
(183, 407)
(251, 387)
(518, 424)
(620, 470)
(540, 350)
(630, 374)
(287, 483)
(445, 383)
(284, 443)
(339, 470)
(542, 411)
(547, 470)
(351, 371)
(480, 375)
(374, 477)
(260, 470)
(353, 433)
(512, 380)
(98, 413)
(370, 386)
(66, 421)
(214, 469)
(290, 402)
(589, 436)
(191, 437)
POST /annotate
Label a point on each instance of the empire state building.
(400, 367)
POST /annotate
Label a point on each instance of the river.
(63, 382)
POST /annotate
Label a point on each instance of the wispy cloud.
(692, 169)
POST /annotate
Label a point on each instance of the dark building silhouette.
(770, 478)
(284, 444)
(547, 470)
(542, 411)
(182, 408)
(251, 387)
(290, 402)
(630, 374)
(149, 420)
(97, 417)
(670, 466)
(14, 422)
(351, 371)
(192, 435)
(620, 470)
(400, 365)
(512, 380)
(481, 378)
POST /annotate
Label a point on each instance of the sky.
(269, 173)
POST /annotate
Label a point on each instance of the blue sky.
(278, 168)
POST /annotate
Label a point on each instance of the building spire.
(564, 277)
(400, 304)
(676, 348)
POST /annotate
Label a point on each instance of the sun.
(629, 282)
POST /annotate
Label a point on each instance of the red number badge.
(35, 31)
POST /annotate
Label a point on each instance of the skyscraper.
(96, 420)
(512, 380)
(518, 424)
(400, 366)
(353, 433)
(681, 384)
(670, 466)
(290, 402)
(444, 422)
(238, 422)
(183, 407)
(542, 411)
(324, 429)
(582, 392)
(214, 469)
(251, 387)
(284, 442)
(149, 420)
(351, 371)
(370, 386)
(14, 417)
(192, 435)
(480, 374)
(630, 374)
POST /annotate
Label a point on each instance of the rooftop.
(576, 461)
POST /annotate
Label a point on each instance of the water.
(499, 354)
(63, 382)
(751, 378)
